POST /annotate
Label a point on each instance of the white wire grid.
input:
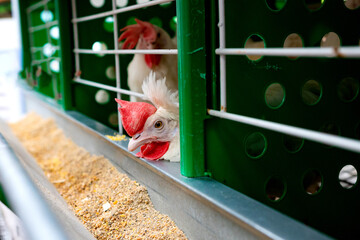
(34, 50)
(116, 52)
(222, 51)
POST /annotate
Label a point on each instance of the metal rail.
(128, 51)
(331, 52)
(120, 10)
(43, 26)
(39, 222)
(37, 5)
(341, 142)
(221, 26)
(106, 87)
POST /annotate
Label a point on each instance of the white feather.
(157, 92)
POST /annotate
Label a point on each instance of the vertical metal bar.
(222, 56)
(192, 84)
(117, 61)
(76, 37)
(65, 45)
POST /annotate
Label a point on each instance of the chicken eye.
(158, 124)
(158, 35)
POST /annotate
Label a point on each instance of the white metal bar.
(36, 49)
(35, 62)
(128, 51)
(221, 26)
(341, 142)
(120, 10)
(106, 87)
(37, 5)
(43, 26)
(341, 52)
(76, 37)
(117, 63)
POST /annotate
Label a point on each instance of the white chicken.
(145, 35)
(154, 129)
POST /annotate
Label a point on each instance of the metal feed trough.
(269, 107)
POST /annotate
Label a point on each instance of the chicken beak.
(140, 139)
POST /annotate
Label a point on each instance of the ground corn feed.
(108, 203)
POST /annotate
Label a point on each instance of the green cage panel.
(46, 57)
(301, 178)
(72, 54)
(98, 35)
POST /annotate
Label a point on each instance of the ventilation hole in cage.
(330, 39)
(352, 4)
(97, 3)
(312, 182)
(109, 24)
(255, 145)
(156, 21)
(54, 32)
(121, 3)
(254, 41)
(173, 23)
(102, 96)
(55, 66)
(99, 46)
(110, 72)
(131, 21)
(275, 189)
(274, 95)
(293, 40)
(293, 144)
(348, 89)
(46, 16)
(276, 5)
(142, 1)
(113, 119)
(311, 92)
(348, 176)
(314, 4)
(48, 49)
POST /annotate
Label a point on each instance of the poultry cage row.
(269, 90)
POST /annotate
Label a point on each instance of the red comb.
(132, 33)
(134, 115)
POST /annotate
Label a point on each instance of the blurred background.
(10, 61)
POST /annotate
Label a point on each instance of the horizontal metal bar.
(25, 198)
(341, 52)
(130, 51)
(35, 62)
(325, 138)
(36, 49)
(43, 26)
(37, 5)
(120, 10)
(106, 87)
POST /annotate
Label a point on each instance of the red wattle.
(152, 60)
(154, 150)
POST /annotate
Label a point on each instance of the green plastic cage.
(269, 90)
